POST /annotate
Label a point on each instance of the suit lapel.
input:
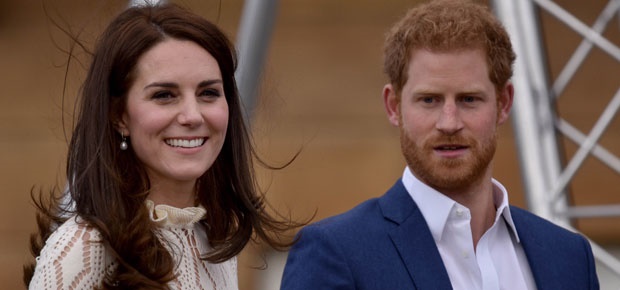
(538, 256)
(413, 240)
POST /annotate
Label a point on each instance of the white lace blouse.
(73, 259)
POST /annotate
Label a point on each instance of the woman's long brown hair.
(108, 187)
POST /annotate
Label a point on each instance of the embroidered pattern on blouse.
(74, 258)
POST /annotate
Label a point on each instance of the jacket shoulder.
(527, 221)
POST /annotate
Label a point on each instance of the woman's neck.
(180, 195)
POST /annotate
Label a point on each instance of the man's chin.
(448, 182)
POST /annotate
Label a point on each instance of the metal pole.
(253, 39)
(533, 115)
(133, 3)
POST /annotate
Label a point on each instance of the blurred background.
(320, 94)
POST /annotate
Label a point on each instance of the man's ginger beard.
(447, 174)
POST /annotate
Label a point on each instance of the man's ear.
(392, 104)
(504, 102)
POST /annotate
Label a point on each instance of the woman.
(159, 164)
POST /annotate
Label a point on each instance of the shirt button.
(459, 212)
(465, 254)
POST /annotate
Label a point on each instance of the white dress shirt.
(498, 262)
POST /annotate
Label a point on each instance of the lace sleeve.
(72, 258)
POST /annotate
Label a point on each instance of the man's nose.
(449, 121)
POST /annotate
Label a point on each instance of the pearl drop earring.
(124, 144)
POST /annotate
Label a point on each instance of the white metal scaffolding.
(536, 123)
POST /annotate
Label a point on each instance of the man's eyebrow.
(471, 92)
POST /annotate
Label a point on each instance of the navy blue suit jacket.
(385, 244)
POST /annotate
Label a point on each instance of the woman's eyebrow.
(161, 84)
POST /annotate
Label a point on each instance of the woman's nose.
(190, 114)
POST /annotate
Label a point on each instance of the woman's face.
(176, 114)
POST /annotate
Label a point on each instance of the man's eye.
(428, 100)
(469, 99)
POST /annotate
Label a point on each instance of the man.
(446, 224)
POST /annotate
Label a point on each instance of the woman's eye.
(163, 95)
(210, 93)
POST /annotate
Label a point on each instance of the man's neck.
(478, 198)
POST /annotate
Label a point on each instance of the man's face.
(448, 115)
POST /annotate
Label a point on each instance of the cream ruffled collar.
(168, 216)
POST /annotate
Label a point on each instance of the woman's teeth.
(185, 143)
